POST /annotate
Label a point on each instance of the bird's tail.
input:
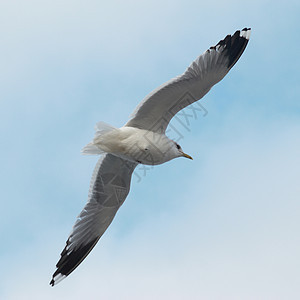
(93, 148)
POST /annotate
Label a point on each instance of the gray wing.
(158, 108)
(110, 185)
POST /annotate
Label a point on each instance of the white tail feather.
(101, 128)
(91, 149)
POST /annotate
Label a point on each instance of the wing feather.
(159, 107)
(111, 175)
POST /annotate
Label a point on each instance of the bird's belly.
(142, 158)
(137, 145)
(147, 152)
(150, 158)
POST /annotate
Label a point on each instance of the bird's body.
(134, 144)
(142, 140)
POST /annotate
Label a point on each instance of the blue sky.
(224, 226)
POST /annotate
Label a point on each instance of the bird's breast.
(146, 147)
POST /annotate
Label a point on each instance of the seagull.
(142, 140)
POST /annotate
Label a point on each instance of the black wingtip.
(246, 29)
(234, 45)
(69, 261)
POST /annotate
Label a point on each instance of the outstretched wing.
(158, 108)
(109, 187)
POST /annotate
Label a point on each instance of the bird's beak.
(187, 156)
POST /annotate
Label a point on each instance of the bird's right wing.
(110, 185)
(159, 107)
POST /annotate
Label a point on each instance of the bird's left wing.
(110, 185)
(159, 107)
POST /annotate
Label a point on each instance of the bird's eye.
(178, 147)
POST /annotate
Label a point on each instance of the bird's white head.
(178, 152)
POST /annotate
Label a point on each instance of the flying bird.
(142, 140)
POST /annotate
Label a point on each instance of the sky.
(223, 226)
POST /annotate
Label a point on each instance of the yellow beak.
(187, 156)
